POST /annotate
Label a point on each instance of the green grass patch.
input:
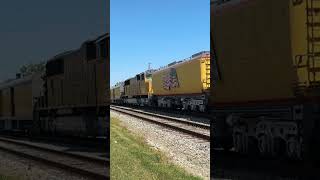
(132, 158)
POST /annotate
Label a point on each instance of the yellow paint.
(191, 76)
(115, 93)
(137, 87)
(5, 102)
(23, 101)
(256, 47)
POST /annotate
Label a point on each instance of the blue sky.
(156, 32)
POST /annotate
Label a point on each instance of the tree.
(29, 69)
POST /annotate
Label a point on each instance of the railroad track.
(178, 112)
(86, 166)
(195, 129)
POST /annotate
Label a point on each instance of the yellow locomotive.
(183, 84)
(17, 97)
(116, 92)
(266, 75)
(70, 98)
(76, 91)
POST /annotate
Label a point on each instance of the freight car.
(183, 84)
(76, 87)
(265, 97)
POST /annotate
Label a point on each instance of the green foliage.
(29, 69)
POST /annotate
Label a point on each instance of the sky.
(36, 30)
(156, 32)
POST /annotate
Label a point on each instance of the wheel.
(294, 148)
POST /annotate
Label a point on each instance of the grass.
(7, 178)
(132, 158)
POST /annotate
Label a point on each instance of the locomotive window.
(142, 76)
(127, 82)
(138, 77)
(103, 49)
(91, 51)
(55, 67)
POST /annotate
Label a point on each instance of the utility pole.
(149, 66)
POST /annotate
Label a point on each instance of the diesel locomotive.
(265, 97)
(182, 84)
(70, 98)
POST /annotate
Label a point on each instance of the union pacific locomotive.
(267, 76)
(183, 84)
(70, 98)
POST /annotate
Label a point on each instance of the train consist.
(70, 98)
(267, 77)
(183, 84)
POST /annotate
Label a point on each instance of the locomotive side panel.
(143, 85)
(6, 108)
(23, 101)
(103, 84)
(91, 79)
(103, 52)
(97, 83)
(132, 88)
(298, 35)
(252, 44)
(54, 90)
(75, 88)
(184, 78)
(116, 93)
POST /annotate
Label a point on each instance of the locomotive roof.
(65, 53)
(117, 85)
(15, 82)
(177, 63)
(98, 39)
(102, 37)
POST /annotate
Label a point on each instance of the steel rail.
(180, 129)
(60, 164)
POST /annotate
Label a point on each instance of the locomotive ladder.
(207, 81)
(313, 39)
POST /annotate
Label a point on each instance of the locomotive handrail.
(194, 56)
(218, 2)
(300, 58)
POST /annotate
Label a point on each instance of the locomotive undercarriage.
(278, 132)
(188, 103)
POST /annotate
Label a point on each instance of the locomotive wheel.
(294, 149)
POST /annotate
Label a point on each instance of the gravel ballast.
(184, 150)
(26, 169)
